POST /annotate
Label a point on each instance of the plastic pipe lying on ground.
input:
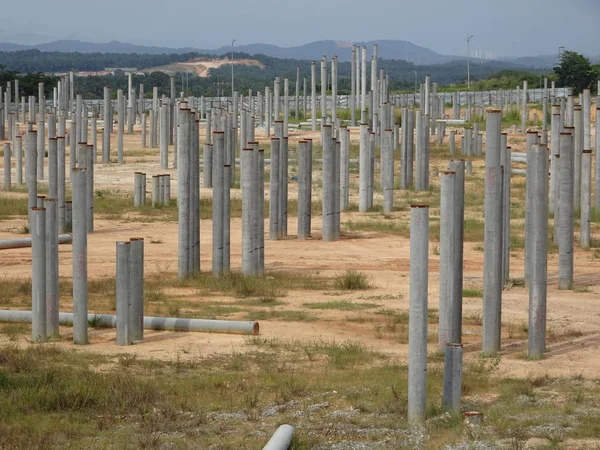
(7, 244)
(150, 323)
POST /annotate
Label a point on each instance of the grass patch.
(352, 280)
(284, 315)
(55, 398)
(472, 293)
(341, 306)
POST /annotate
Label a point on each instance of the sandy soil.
(385, 258)
(202, 66)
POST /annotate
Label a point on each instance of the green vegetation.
(472, 293)
(506, 79)
(341, 306)
(352, 280)
(53, 398)
(576, 71)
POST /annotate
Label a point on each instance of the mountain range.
(387, 49)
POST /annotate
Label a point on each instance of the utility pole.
(232, 42)
(469, 37)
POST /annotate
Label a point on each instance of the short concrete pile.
(161, 190)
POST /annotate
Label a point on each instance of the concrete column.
(467, 141)
(18, 151)
(226, 218)
(283, 187)
(31, 172)
(207, 166)
(532, 139)
(137, 188)
(364, 165)
(217, 206)
(458, 167)
(52, 295)
(164, 135)
(539, 267)
(106, 130)
(323, 90)
(410, 139)
(371, 183)
(363, 87)
(268, 112)
(334, 91)
(419, 152)
(565, 210)
(195, 193)
(38, 275)
(80, 287)
(303, 200)
(555, 150)
(578, 136)
(152, 128)
(275, 189)
(121, 124)
(60, 145)
(136, 289)
(89, 165)
(286, 105)
(123, 294)
(94, 125)
(143, 131)
(140, 107)
(183, 192)
(344, 167)
(505, 158)
(597, 159)
(41, 147)
(313, 95)
(586, 198)
(427, 106)
(53, 168)
(336, 190)
(247, 211)
(352, 103)
(328, 185)
(387, 170)
(304, 98)
(492, 290)
(448, 270)
(569, 111)
(7, 180)
(417, 328)
(453, 355)
(260, 211)
(524, 108)
(586, 107)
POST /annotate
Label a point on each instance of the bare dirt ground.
(384, 257)
(202, 66)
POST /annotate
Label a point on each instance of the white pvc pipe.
(7, 244)
(282, 439)
(150, 323)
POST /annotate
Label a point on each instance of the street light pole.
(232, 42)
(469, 37)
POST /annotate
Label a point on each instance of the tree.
(575, 71)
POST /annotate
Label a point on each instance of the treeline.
(37, 61)
(28, 82)
(33, 63)
(506, 80)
